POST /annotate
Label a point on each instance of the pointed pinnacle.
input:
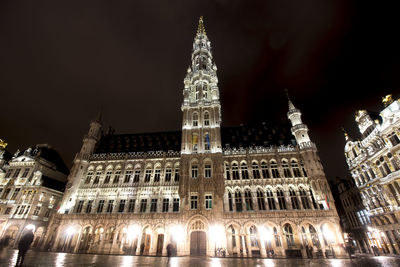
(291, 106)
(200, 28)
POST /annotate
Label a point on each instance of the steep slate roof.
(261, 134)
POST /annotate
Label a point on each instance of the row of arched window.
(234, 171)
(131, 175)
(268, 200)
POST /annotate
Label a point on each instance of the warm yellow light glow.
(70, 230)
(217, 235)
(30, 227)
(148, 231)
(133, 231)
(328, 234)
(266, 234)
(177, 233)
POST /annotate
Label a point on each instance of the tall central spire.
(201, 29)
(201, 106)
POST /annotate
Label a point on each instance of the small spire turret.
(201, 29)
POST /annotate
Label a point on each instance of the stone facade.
(205, 194)
(30, 192)
(374, 165)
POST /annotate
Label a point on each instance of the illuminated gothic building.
(375, 167)
(31, 188)
(204, 189)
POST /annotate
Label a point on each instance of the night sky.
(61, 61)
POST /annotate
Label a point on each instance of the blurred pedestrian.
(169, 251)
(23, 247)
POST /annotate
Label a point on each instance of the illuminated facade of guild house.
(245, 190)
(375, 167)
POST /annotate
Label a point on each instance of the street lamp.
(217, 234)
(330, 238)
(266, 235)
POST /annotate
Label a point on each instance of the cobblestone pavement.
(8, 258)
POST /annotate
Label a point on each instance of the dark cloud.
(61, 61)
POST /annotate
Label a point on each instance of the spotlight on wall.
(177, 233)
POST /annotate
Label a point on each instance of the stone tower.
(80, 163)
(202, 174)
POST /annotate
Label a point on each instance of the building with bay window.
(246, 190)
(374, 164)
(30, 191)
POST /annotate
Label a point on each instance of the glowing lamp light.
(177, 233)
(30, 227)
(148, 231)
(266, 233)
(133, 231)
(70, 230)
(217, 235)
(328, 234)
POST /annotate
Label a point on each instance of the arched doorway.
(146, 241)
(198, 243)
(85, 240)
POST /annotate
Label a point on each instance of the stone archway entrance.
(198, 243)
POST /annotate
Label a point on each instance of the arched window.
(293, 199)
(274, 169)
(168, 174)
(277, 238)
(289, 235)
(248, 200)
(230, 201)
(157, 174)
(304, 236)
(243, 169)
(195, 119)
(238, 201)
(281, 199)
(260, 200)
(227, 171)
(235, 171)
(206, 119)
(271, 200)
(264, 170)
(253, 236)
(147, 175)
(295, 168)
(195, 141)
(108, 176)
(314, 236)
(233, 236)
(89, 177)
(207, 144)
(195, 170)
(256, 171)
(286, 170)
(304, 199)
(117, 175)
(128, 175)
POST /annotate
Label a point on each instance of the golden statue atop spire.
(3, 144)
(200, 28)
(387, 100)
(346, 136)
